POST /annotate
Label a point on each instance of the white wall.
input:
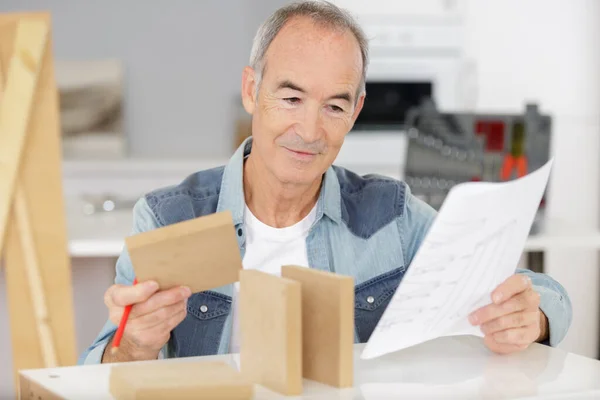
(548, 51)
(183, 62)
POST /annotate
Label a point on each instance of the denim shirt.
(368, 227)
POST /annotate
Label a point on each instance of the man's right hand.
(153, 316)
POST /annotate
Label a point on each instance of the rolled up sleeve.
(554, 303)
(94, 354)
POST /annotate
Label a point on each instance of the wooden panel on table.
(271, 324)
(200, 253)
(211, 380)
(40, 179)
(327, 325)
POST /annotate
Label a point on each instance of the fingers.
(123, 295)
(153, 330)
(528, 300)
(514, 320)
(160, 316)
(512, 286)
(517, 336)
(502, 348)
(176, 319)
(160, 300)
(513, 332)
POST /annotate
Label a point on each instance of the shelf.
(103, 235)
(590, 241)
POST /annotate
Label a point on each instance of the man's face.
(306, 102)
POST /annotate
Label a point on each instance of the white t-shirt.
(267, 249)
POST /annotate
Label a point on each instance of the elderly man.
(304, 88)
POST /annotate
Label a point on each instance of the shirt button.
(370, 299)
(203, 308)
(240, 232)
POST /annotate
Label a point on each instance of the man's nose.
(312, 125)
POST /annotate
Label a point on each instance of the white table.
(446, 368)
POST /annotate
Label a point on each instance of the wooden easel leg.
(24, 71)
(22, 79)
(42, 335)
(34, 278)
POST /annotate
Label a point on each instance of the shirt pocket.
(371, 299)
(200, 332)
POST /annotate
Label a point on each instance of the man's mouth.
(301, 152)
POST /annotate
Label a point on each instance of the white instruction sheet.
(473, 246)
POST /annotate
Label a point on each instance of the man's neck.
(275, 203)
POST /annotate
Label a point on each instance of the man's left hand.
(513, 321)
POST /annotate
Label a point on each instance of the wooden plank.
(17, 102)
(3, 72)
(270, 323)
(327, 325)
(201, 253)
(34, 278)
(178, 380)
(40, 178)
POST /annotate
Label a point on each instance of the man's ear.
(249, 89)
(359, 105)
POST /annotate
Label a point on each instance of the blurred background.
(457, 90)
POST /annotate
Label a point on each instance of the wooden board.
(17, 102)
(40, 179)
(178, 380)
(270, 324)
(327, 325)
(201, 253)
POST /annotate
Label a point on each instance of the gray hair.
(322, 12)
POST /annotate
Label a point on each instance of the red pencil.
(121, 329)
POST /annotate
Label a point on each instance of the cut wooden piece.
(178, 380)
(201, 253)
(270, 323)
(40, 179)
(17, 103)
(327, 325)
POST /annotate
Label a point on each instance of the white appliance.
(416, 49)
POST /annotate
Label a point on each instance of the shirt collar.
(231, 196)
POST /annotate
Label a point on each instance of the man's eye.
(292, 100)
(336, 109)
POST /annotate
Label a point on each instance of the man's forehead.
(304, 52)
(303, 36)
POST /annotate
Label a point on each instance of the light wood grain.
(327, 325)
(17, 102)
(34, 278)
(2, 75)
(181, 380)
(40, 179)
(201, 253)
(270, 323)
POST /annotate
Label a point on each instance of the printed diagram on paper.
(473, 246)
(440, 312)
